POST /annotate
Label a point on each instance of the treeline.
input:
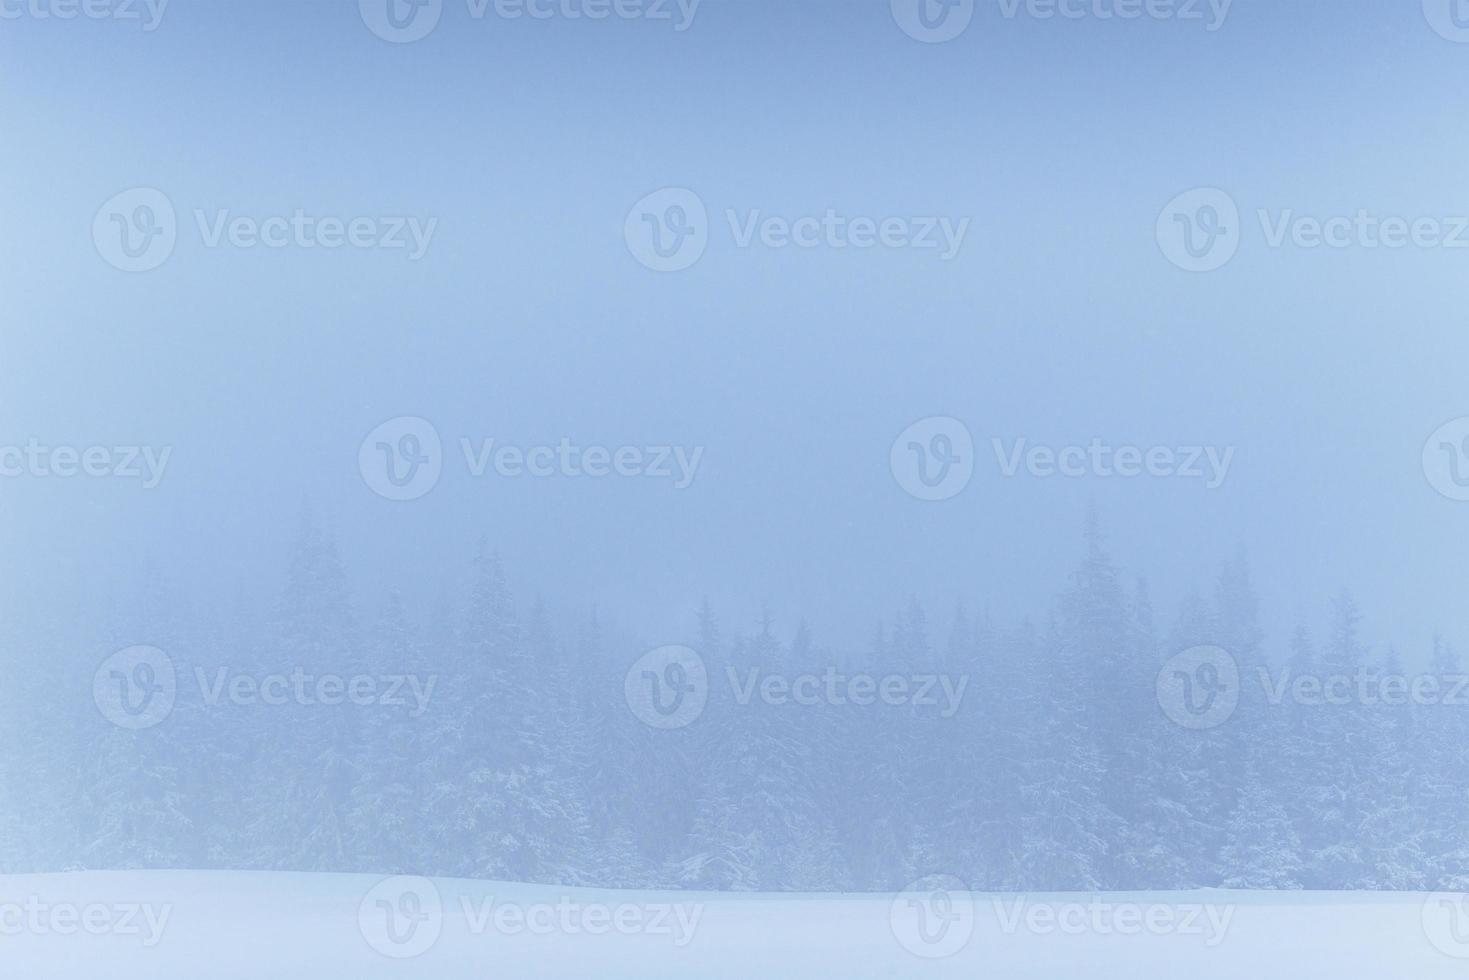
(1056, 770)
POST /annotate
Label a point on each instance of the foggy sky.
(529, 321)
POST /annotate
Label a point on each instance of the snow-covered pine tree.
(759, 822)
(388, 831)
(1261, 849)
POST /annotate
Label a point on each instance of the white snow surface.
(233, 926)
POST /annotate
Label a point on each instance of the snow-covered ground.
(223, 926)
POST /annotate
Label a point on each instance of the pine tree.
(1336, 854)
(1392, 829)
(387, 832)
(759, 823)
(135, 813)
(1161, 844)
(871, 821)
(1262, 850)
(1442, 796)
(1103, 696)
(306, 773)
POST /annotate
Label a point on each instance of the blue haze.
(528, 320)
